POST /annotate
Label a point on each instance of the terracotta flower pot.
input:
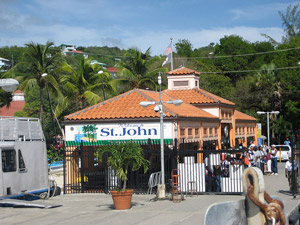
(122, 199)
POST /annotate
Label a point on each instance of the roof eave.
(245, 121)
(214, 104)
(200, 119)
(84, 121)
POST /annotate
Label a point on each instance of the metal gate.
(85, 174)
(201, 170)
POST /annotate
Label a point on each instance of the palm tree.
(105, 82)
(90, 131)
(270, 86)
(270, 91)
(39, 61)
(77, 84)
(282, 128)
(83, 86)
(291, 21)
(137, 69)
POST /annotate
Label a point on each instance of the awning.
(113, 142)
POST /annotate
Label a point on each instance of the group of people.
(262, 157)
(266, 159)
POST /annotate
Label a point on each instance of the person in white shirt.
(289, 169)
(257, 156)
(268, 171)
(251, 155)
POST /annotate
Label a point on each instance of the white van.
(283, 152)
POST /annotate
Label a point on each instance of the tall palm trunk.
(41, 105)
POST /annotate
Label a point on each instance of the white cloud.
(123, 38)
(18, 27)
(159, 40)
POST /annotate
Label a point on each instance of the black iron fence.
(201, 171)
(84, 173)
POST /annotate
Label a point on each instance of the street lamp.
(9, 84)
(159, 108)
(268, 118)
(101, 72)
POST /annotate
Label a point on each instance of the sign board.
(259, 130)
(117, 131)
(259, 137)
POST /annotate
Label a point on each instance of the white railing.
(20, 128)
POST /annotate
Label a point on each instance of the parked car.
(283, 152)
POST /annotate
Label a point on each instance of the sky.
(138, 23)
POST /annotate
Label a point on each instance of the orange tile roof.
(197, 96)
(242, 116)
(18, 92)
(183, 71)
(112, 69)
(14, 107)
(126, 106)
(217, 98)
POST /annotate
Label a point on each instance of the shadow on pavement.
(289, 193)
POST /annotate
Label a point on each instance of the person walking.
(251, 155)
(257, 156)
(217, 174)
(269, 163)
(274, 159)
(225, 166)
(288, 172)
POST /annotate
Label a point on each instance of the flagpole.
(171, 55)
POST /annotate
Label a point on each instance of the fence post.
(294, 187)
(64, 167)
(174, 155)
(82, 167)
(106, 174)
(149, 144)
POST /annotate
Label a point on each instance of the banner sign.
(259, 130)
(120, 131)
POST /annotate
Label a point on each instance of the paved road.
(98, 209)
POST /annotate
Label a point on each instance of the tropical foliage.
(38, 67)
(122, 157)
(78, 82)
(137, 69)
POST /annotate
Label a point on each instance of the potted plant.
(120, 158)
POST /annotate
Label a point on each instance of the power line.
(207, 57)
(246, 71)
(240, 55)
(216, 57)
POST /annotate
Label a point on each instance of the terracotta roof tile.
(127, 106)
(197, 96)
(183, 71)
(112, 69)
(14, 107)
(18, 92)
(217, 98)
(242, 116)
